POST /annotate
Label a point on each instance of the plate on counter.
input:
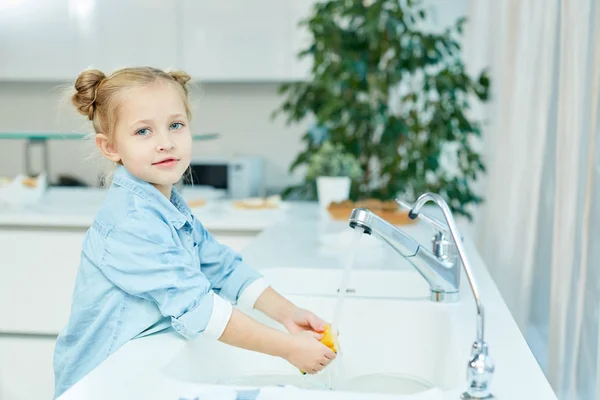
(202, 196)
(256, 205)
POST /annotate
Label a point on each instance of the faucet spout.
(442, 274)
(414, 212)
(480, 369)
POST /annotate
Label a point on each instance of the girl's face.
(152, 137)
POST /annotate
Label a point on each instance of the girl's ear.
(106, 148)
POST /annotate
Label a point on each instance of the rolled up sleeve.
(143, 259)
(251, 293)
(228, 275)
(210, 317)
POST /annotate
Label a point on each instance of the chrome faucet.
(441, 269)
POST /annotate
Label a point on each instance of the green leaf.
(460, 24)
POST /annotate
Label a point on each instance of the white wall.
(240, 112)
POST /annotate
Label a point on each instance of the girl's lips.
(166, 163)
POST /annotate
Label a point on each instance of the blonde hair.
(97, 95)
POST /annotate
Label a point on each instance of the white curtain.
(539, 230)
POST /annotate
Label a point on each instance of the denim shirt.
(147, 264)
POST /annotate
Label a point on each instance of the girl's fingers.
(330, 354)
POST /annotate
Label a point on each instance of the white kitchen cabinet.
(237, 40)
(301, 38)
(49, 40)
(224, 41)
(227, 41)
(132, 33)
(40, 40)
(38, 269)
(26, 370)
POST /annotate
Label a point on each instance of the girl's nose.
(165, 144)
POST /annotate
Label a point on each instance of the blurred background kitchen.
(492, 104)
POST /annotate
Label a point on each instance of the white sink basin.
(386, 346)
(363, 283)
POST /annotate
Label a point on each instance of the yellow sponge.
(328, 339)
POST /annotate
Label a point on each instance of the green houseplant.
(392, 94)
(333, 169)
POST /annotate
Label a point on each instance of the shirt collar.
(176, 210)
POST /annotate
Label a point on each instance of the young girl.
(147, 264)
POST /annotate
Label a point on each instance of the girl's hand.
(293, 318)
(303, 320)
(308, 354)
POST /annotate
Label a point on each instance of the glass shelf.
(42, 136)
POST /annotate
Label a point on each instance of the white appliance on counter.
(240, 176)
(23, 190)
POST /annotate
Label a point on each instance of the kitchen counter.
(309, 238)
(75, 208)
(306, 238)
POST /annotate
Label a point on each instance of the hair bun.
(86, 86)
(180, 77)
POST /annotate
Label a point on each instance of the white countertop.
(309, 238)
(298, 241)
(75, 208)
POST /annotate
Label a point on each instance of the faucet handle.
(434, 222)
(442, 247)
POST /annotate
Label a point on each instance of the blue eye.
(143, 132)
(176, 126)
